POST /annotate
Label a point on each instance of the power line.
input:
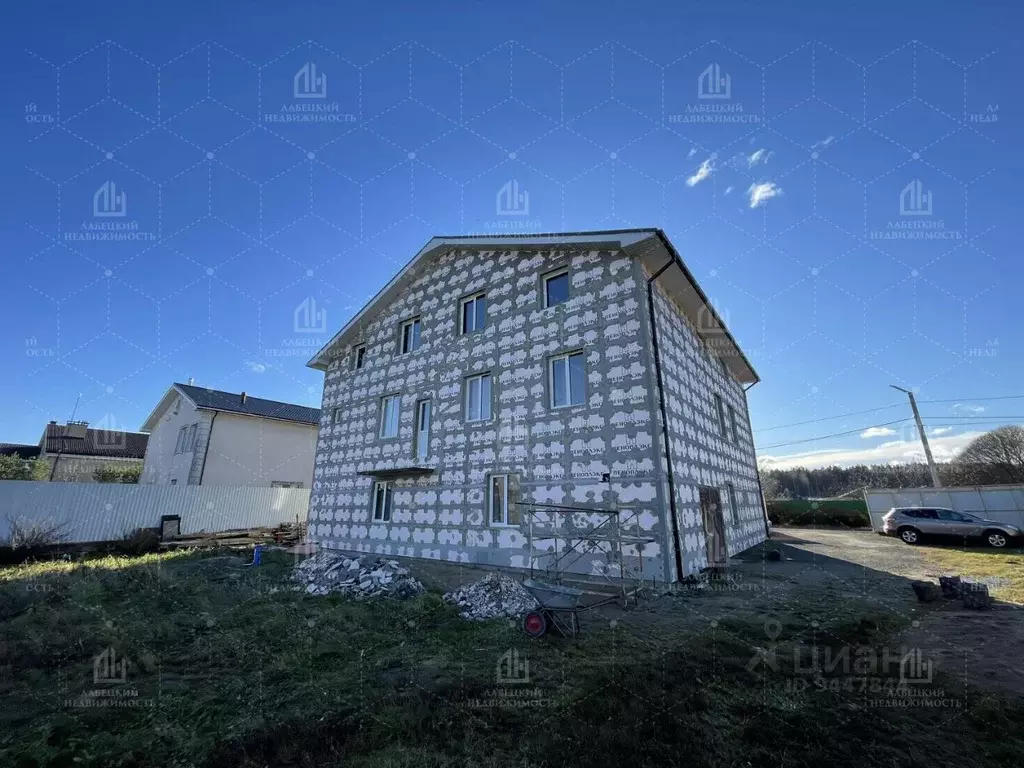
(973, 421)
(834, 434)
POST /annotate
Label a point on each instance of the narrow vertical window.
(734, 510)
(720, 411)
(358, 357)
(382, 502)
(499, 499)
(556, 288)
(335, 415)
(567, 380)
(410, 340)
(191, 440)
(478, 397)
(732, 425)
(474, 313)
(389, 414)
(422, 429)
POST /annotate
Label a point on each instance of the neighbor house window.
(556, 288)
(474, 313)
(192, 438)
(410, 336)
(182, 436)
(720, 411)
(499, 500)
(358, 357)
(382, 502)
(389, 411)
(734, 510)
(732, 425)
(478, 397)
(567, 380)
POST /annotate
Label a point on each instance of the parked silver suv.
(911, 523)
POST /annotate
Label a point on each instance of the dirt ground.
(824, 577)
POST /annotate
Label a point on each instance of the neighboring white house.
(201, 436)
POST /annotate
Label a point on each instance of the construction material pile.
(359, 577)
(285, 534)
(494, 596)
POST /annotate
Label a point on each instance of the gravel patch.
(358, 577)
(494, 596)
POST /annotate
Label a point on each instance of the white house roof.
(650, 245)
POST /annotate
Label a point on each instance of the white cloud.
(877, 432)
(891, 451)
(823, 143)
(968, 408)
(255, 367)
(766, 190)
(760, 156)
(941, 430)
(728, 190)
(692, 152)
(704, 171)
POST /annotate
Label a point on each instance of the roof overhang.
(651, 246)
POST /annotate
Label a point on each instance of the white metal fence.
(107, 511)
(1004, 503)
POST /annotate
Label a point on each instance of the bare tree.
(999, 454)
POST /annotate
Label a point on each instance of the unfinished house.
(535, 401)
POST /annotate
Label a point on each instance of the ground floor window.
(503, 490)
(382, 502)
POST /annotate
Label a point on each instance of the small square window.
(390, 408)
(382, 502)
(478, 397)
(474, 313)
(567, 380)
(556, 288)
(410, 339)
(358, 357)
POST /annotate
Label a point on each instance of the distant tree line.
(995, 458)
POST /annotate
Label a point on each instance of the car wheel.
(909, 535)
(996, 539)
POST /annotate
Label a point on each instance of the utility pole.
(924, 437)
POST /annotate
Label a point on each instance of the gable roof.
(58, 438)
(231, 402)
(651, 246)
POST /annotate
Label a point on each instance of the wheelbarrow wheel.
(535, 624)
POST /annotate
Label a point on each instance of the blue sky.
(211, 191)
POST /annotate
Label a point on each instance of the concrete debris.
(359, 577)
(494, 596)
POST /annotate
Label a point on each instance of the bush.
(846, 513)
(33, 534)
(125, 473)
(13, 467)
(139, 542)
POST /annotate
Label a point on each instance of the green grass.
(1002, 570)
(236, 669)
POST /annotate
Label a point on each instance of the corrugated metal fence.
(1004, 503)
(108, 511)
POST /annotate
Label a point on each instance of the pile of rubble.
(359, 577)
(495, 595)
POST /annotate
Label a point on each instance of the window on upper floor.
(409, 338)
(390, 407)
(556, 288)
(358, 357)
(478, 397)
(720, 413)
(473, 314)
(191, 440)
(733, 433)
(179, 447)
(335, 415)
(567, 380)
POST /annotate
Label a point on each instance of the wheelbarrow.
(557, 607)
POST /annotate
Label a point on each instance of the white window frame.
(568, 379)
(463, 331)
(734, 511)
(384, 416)
(358, 356)
(385, 510)
(720, 409)
(421, 451)
(503, 523)
(191, 439)
(490, 405)
(411, 324)
(548, 278)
